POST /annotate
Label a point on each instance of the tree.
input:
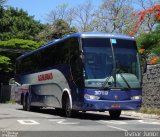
(2, 2)
(20, 44)
(80, 16)
(16, 27)
(153, 11)
(84, 16)
(5, 69)
(5, 64)
(62, 12)
(9, 51)
(114, 15)
(150, 41)
(15, 23)
(145, 11)
(57, 30)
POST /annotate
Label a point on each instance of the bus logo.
(116, 97)
(43, 77)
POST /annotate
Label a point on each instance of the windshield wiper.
(118, 71)
(105, 82)
(129, 87)
(107, 79)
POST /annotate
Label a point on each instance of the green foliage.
(57, 30)
(7, 59)
(5, 64)
(20, 44)
(15, 23)
(62, 29)
(150, 41)
(17, 35)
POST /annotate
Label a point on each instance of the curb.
(140, 115)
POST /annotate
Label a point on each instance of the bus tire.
(27, 103)
(69, 112)
(115, 114)
(23, 100)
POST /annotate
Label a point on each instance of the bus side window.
(76, 63)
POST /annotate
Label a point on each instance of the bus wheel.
(68, 111)
(27, 104)
(24, 103)
(115, 114)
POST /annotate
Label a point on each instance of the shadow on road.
(84, 116)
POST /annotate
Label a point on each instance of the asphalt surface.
(15, 122)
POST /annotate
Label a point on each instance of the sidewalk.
(140, 115)
(133, 114)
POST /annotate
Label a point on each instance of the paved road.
(13, 118)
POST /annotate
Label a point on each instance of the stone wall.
(151, 87)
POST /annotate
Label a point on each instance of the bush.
(150, 42)
(20, 44)
(155, 111)
(5, 64)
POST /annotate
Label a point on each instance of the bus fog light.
(92, 97)
(136, 98)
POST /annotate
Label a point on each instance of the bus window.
(76, 63)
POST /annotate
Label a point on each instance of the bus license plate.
(115, 106)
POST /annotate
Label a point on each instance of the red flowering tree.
(148, 42)
(142, 14)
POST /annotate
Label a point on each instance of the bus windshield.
(108, 61)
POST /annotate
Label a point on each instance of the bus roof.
(101, 35)
(81, 35)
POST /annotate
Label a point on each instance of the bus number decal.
(98, 92)
(43, 77)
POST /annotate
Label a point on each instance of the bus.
(87, 71)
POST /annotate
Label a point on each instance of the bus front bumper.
(99, 105)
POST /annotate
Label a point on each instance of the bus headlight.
(92, 97)
(136, 98)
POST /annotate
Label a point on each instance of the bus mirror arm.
(143, 64)
(144, 67)
(18, 84)
(13, 82)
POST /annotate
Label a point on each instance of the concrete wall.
(5, 93)
(151, 86)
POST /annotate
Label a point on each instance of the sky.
(40, 8)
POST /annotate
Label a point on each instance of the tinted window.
(76, 62)
(48, 57)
